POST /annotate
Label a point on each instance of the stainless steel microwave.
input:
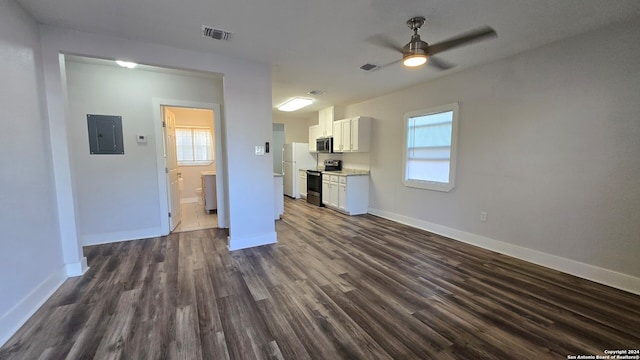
(324, 145)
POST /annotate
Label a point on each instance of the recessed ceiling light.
(294, 104)
(126, 64)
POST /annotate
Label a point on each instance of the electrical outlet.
(483, 216)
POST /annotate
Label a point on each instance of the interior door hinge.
(169, 214)
(164, 124)
(166, 170)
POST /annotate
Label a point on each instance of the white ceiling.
(320, 45)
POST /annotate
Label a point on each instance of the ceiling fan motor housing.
(415, 47)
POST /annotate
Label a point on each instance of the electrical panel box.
(105, 134)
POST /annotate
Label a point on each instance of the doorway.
(186, 154)
(190, 149)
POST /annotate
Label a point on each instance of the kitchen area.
(331, 170)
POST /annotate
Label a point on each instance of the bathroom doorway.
(191, 134)
(191, 141)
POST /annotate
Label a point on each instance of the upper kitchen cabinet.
(325, 120)
(352, 135)
(314, 133)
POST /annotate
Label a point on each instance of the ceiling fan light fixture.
(295, 103)
(414, 60)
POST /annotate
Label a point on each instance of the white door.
(171, 164)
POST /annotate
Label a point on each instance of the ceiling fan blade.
(388, 64)
(383, 41)
(439, 64)
(372, 67)
(463, 39)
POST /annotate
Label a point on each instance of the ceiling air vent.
(368, 67)
(218, 34)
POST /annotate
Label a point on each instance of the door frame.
(220, 158)
(169, 151)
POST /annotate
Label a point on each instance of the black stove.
(314, 181)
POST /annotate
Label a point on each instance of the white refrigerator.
(295, 156)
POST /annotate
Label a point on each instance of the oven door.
(314, 187)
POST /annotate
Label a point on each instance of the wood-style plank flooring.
(334, 287)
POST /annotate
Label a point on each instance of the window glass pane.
(425, 170)
(184, 144)
(429, 148)
(194, 146)
(202, 144)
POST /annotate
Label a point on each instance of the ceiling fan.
(417, 52)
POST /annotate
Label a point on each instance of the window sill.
(195, 163)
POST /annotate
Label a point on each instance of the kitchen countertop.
(209, 172)
(348, 172)
(344, 172)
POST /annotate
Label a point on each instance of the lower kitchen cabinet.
(326, 191)
(348, 194)
(333, 189)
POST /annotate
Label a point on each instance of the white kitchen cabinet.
(348, 194)
(324, 128)
(314, 133)
(325, 121)
(342, 193)
(326, 118)
(352, 135)
(360, 134)
(333, 191)
(326, 191)
(341, 135)
(302, 184)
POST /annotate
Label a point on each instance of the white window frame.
(426, 184)
(197, 162)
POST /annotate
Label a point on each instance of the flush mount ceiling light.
(126, 64)
(295, 103)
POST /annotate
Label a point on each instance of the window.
(430, 148)
(194, 146)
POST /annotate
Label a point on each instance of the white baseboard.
(586, 271)
(77, 268)
(105, 238)
(244, 243)
(23, 310)
(189, 200)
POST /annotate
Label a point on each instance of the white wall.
(549, 146)
(246, 115)
(296, 129)
(31, 264)
(117, 195)
(191, 174)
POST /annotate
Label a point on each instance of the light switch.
(259, 150)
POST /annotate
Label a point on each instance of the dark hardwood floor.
(334, 287)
